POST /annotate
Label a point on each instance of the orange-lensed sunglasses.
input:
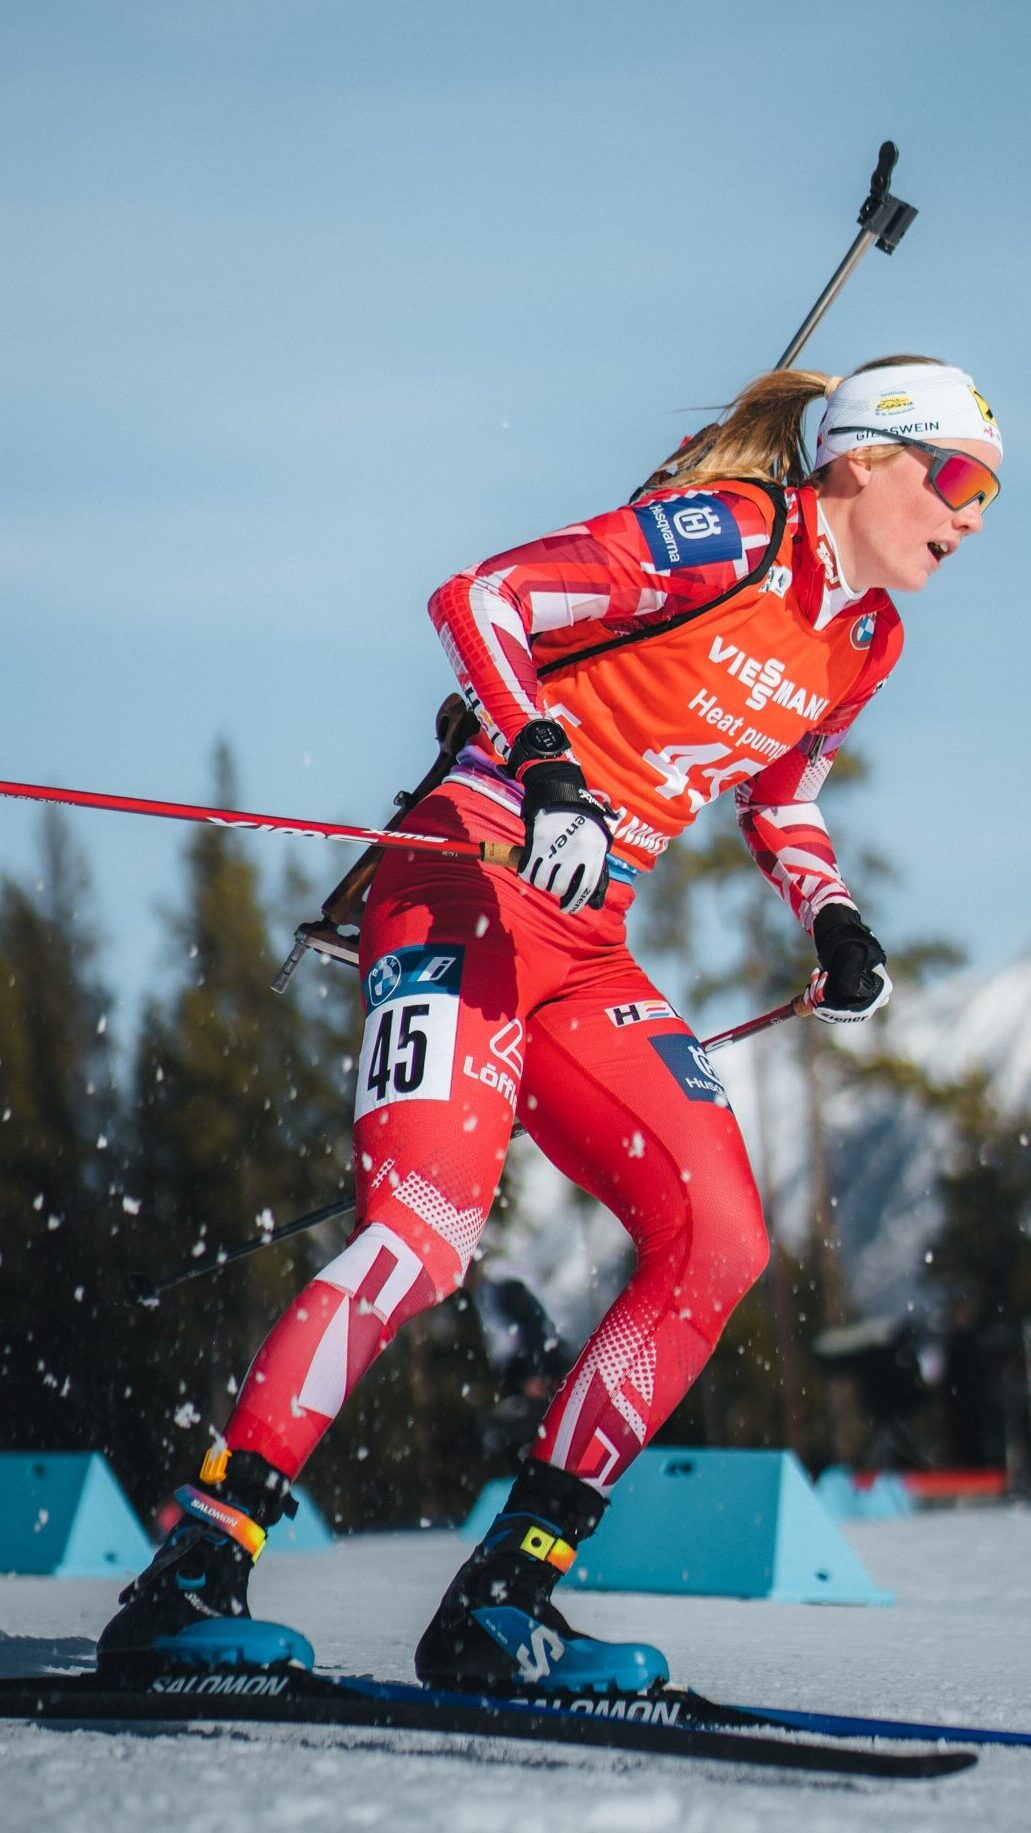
(954, 476)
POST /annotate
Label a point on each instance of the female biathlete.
(720, 632)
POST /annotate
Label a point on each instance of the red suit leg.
(438, 1080)
(632, 1113)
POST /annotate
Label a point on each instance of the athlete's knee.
(753, 1250)
(709, 1255)
(740, 1247)
(391, 1276)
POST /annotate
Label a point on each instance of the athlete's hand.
(853, 980)
(567, 839)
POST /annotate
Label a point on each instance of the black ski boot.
(497, 1630)
(201, 1571)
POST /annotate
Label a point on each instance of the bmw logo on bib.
(383, 978)
(861, 633)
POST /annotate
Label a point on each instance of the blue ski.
(848, 1725)
(694, 1708)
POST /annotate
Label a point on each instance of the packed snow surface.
(955, 1646)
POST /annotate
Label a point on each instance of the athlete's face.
(893, 528)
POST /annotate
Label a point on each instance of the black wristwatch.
(543, 741)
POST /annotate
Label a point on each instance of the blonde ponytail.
(761, 436)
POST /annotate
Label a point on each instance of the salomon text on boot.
(497, 1629)
(200, 1574)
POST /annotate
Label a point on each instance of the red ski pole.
(491, 852)
(799, 1007)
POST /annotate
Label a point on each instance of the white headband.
(924, 400)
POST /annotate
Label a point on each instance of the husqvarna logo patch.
(689, 531)
(690, 1067)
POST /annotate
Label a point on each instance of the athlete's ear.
(860, 467)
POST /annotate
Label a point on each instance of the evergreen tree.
(241, 1119)
(980, 1270)
(59, 1161)
(983, 1252)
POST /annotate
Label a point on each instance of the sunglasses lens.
(959, 480)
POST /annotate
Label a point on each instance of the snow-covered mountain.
(886, 1152)
(971, 1021)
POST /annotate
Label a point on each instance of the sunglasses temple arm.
(883, 219)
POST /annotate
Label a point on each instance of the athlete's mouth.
(940, 549)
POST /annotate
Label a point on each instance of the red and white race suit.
(690, 643)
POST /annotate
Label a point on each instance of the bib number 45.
(398, 1062)
(408, 1052)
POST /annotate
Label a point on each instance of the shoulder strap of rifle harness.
(757, 573)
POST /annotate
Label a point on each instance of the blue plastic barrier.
(885, 1499)
(64, 1512)
(744, 1524)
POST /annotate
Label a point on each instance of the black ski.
(658, 1726)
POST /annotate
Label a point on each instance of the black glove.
(567, 837)
(854, 981)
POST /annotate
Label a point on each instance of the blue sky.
(308, 303)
